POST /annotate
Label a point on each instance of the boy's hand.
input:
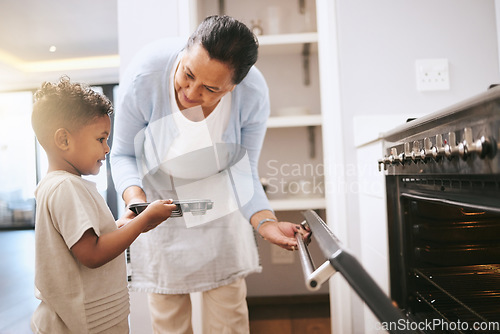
(94, 251)
(157, 212)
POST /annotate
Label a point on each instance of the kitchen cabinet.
(291, 163)
(372, 202)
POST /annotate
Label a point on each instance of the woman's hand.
(283, 234)
(277, 232)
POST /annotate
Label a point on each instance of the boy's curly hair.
(66, 105)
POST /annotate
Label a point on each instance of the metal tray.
(197, 207)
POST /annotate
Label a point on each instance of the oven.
(442, 176)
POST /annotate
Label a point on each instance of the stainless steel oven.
(443, 201)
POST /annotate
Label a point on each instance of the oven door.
(444, 248)
(342, 261)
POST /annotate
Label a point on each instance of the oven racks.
(468, 293)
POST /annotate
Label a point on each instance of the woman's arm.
(129, 122)
(94, 251)
(134, 194)
(262, 219)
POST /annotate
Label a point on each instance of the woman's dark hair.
(67, 105)
(229, 41)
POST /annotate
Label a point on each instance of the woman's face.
(200, 80)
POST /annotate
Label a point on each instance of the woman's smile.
(200, 80)
(187, 99)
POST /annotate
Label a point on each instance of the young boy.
(80, 274)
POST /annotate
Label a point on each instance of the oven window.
(452, 255)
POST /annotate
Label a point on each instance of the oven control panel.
(463, 138)
(441, 147)
(460, 150)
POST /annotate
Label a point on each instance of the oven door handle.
(340, 260)
(314, 277)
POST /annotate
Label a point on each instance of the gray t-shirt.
(75, 298)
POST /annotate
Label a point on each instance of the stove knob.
(388, 160)
(461, 151)
(429, 151)
(453, 149)
(381, 164)
(407, 153)
(384, 162)
(488, 147)
(397, 159)
(484, 147)
(470, 146)
(422, 156)
(401, 158)
(439, 147)
(394, 154)
(447, 151)
(416, 153)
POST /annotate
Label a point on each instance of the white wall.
(378, 43)
(142, 22)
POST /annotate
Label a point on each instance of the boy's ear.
(61, 139)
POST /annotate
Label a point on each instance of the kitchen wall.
(140, 23)
(378, 43)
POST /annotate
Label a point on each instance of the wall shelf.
(287, 43)
(300, 38)
(294, 204)
(294, 121)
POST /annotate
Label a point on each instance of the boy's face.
(88, 147)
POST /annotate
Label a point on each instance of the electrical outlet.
(281, 256)
(432, 74)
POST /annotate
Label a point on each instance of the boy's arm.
(93, 251)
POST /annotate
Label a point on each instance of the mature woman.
(190, 123)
